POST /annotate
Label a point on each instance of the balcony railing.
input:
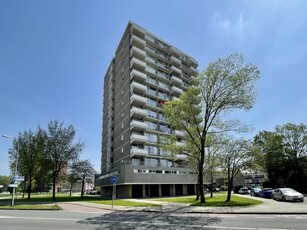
(137, 62)
(138, 112)
(135, 74)
(134, 151)
(137, 40)
(175, 89)
(177, 70)
(138, 99)
(137, 52)
(138, 138)
(138, 87)
(138, 124)
(176, 80)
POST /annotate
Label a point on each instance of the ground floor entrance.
(149, 190)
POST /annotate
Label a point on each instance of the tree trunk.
(211, 182)
(201, 178)
(70, 189)
(82, 187)
(53, 187)
(230, 181)
(197, 189)
(29, 187)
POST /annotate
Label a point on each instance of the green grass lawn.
(46, 198)
(215, 201)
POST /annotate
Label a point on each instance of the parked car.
(255, 191)
(237, 188)
(266, 193)
(287, 194)
(243, 190)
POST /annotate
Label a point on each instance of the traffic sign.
(18, 178)
(114, 179)
(12, 185)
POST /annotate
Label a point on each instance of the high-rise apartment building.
(145, 73)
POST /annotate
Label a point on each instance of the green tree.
(295, 149)
(212, 166)
(284, 155)
(30, 148)
(60, 149)
(226, 85)
(73, 179)
(236, 154)
(83, 170)
(268, 150)
(4, 180)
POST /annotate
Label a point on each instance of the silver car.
(287, 194)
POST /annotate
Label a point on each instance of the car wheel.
(283, 198)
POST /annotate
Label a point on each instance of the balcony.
(138, 138)
(137, 41)
(138, 87)
(175, 51)
(175, 60)
(193, 70)
(180, 143)
(175, 69)
(138, 152)
(137, 52)
(138, 112)
(178, 133)
(140, 125)
(137, 75)
(175, 89)
(176, 80)
(138, 99)
(137, 63)
(181, 156)
(192, 62)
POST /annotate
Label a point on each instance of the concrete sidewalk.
(269, 206)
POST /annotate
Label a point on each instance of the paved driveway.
(269, 206)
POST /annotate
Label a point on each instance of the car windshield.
(257, 189)
(287, 190)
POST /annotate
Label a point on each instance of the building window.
(122, 150)
(122, 114)
(123, 102)
(122, 125)
(122, 138)
(122, 92)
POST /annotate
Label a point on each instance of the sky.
(54, 55)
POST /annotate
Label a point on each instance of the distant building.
(144, 73)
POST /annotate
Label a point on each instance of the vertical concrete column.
(185, 189)
(160, 190)
(173, 190)
(129, 191)
(143, 191)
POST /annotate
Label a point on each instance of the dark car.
(255, 191)
(266, 193)
(287, 194)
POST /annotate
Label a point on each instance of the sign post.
(114, 180)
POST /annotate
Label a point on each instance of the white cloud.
(234, 26)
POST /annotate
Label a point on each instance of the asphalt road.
(106, 219)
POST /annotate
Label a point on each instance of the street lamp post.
(15, 171)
